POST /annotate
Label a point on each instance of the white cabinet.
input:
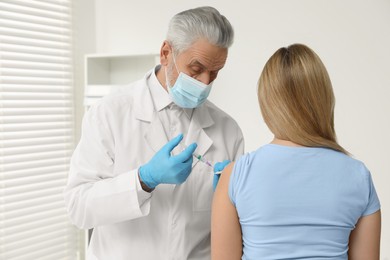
(106, 74)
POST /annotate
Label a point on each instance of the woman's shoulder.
(253, 154)
(243, 164)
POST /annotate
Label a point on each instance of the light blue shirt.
(299, 202)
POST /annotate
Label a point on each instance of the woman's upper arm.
(364, 241)
(226, 238)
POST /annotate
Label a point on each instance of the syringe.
(202, 159)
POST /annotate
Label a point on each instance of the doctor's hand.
(165, 168)
(218, 168)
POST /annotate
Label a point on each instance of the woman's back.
(291, 199)
(299, 202)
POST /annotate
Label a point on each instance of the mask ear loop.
(174, 60)
(166, 73)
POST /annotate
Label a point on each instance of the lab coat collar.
(144, 109)
(160, 96)
(202, 117)
(187, 111)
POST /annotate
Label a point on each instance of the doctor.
(132, 177)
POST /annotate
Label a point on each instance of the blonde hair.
(296, 98)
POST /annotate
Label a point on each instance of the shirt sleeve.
(373, 204)
(236, 178)
(94, 196)
(239, 151)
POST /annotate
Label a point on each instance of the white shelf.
(107, 73)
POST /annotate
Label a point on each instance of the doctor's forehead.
(203, 53)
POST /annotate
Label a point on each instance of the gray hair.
(203, 22)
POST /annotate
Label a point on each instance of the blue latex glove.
(165, 168)
(218, 167)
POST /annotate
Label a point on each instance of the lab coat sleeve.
(94, 196)
(239, 145)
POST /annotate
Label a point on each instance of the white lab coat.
(120, 134)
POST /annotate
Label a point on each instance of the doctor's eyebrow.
(198, 63)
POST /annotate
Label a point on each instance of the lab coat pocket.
(202, 188)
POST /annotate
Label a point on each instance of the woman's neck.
(284, 142)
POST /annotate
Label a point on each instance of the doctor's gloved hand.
(165, 168)
(218, 168)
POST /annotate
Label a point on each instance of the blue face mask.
(188, 92)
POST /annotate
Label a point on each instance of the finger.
(173, 143)
(218, 167)
(215, 181)
(190, 160)
(186, 154)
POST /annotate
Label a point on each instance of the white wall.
(84, 41)
(352, 37)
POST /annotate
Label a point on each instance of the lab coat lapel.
(200, 120)
(145, 111)
(155, 135)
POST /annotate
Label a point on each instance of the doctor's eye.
(196, 70)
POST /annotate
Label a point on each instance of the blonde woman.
(301, 196)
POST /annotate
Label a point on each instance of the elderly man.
(133, 178)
